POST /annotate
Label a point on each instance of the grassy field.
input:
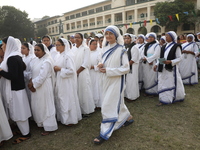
(171, 127)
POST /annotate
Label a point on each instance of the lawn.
(170, 127)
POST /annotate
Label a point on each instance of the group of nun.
(66, 82)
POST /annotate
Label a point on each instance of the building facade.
(131, 16)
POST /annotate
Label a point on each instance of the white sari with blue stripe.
(114, 111)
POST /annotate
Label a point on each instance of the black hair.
(1, 46)
(92, 41)
(59, 40)
(70, 43)
(195, 38)
(31, 42)
(81, 35)
(41, 46)
(26, 45)
(5, 40)
(46, 36)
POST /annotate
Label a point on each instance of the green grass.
(171, 127)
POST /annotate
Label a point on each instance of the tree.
(165, 9)
(15, 23)
(41, 32)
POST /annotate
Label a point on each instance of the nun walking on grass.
(114, 66)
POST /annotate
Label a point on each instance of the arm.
(135, 55)
(155, 55)
(178, 57)
(44, 70)
(68, 70)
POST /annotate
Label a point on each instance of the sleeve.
(135, 54)
(12, 69)
(123, 69)
(68, 70)
(178, 57)
(44, 70)
(196, 49)
(27, 72)
(86, 60)
(155, 55)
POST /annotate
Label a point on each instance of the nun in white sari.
(41, 85)
(170, 85)
(66, 97)
(188, 65)
(82, 63)
(132, 84)
(114, 66)
(13, 87)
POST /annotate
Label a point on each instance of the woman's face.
(59, 47)
(168, 38)
(78, 40)
(110, 37)
(140, 40)
(4, 47)
(151, 39)
(127, 40)
(46, 41)
(24, 50)
(189, 39)
(93, 46)
(39, 52)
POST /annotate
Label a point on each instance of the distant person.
(72, 40)
(14, 93)
(182, 38)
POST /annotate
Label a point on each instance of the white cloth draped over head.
(34, 43)
(152, 34)
(163, 38)
(133, 38)
(191, 35)
(198, 33)
(141, 36)
(116, 32)
(99, 35)
(48, 37)
(31, 50)
(89, 43)
(13, 48)
(173, 35)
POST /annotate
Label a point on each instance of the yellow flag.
(131, 25)
(177, 16)
(151, 22)
(24, 39)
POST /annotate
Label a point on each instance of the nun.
(41, 85)
(13, 87)
(132, 85)
(150, 54)
(28, 51)
(95, 54)
(66, 98)
(170, 85)
(114, 66)
(82, 63)
(188, 65)
(140, 45)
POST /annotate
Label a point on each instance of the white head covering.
(13, 48)
(191, 35)
(133, 38)
(48, 37)
(116, 32)
(90, 41)
(67, 46)
(34, 43)
(99, 35)
(163, 38)
(126, 34)
(173, 35)
(31, 50)
(142, 36)
(198, 33)
(152, 34)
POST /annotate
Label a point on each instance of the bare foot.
(46, 133)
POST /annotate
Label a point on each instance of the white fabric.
(132, 84)
(113, 98)
(43, 77)
(82, 58)
(188, 65)
(151, 34)
(23, 127)
(95, 78)
(133, 38)
(167, 80)
(149, 75)
(5, 131)
(173, 35)
(163, 38)
(67, 102)
(49, 124)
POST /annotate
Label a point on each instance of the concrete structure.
(128, 15)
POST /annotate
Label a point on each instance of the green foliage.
(164, 9)
(41, 32)
(15, 23)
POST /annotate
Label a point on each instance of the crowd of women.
(69, 81)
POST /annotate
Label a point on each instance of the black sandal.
(128, 123)
(101, 140)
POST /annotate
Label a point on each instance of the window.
(56, 29)
(78, 15)
(67, 18)
(52, 22)
(107, 7)
(92, 24)
(53, 30)
(130, 17)
(55, 21)
(84, 13)
(72, 16)
(99, 9)
(91, 11)
(67, 26)
(142, 1)
(130, 2)
(49, 23)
